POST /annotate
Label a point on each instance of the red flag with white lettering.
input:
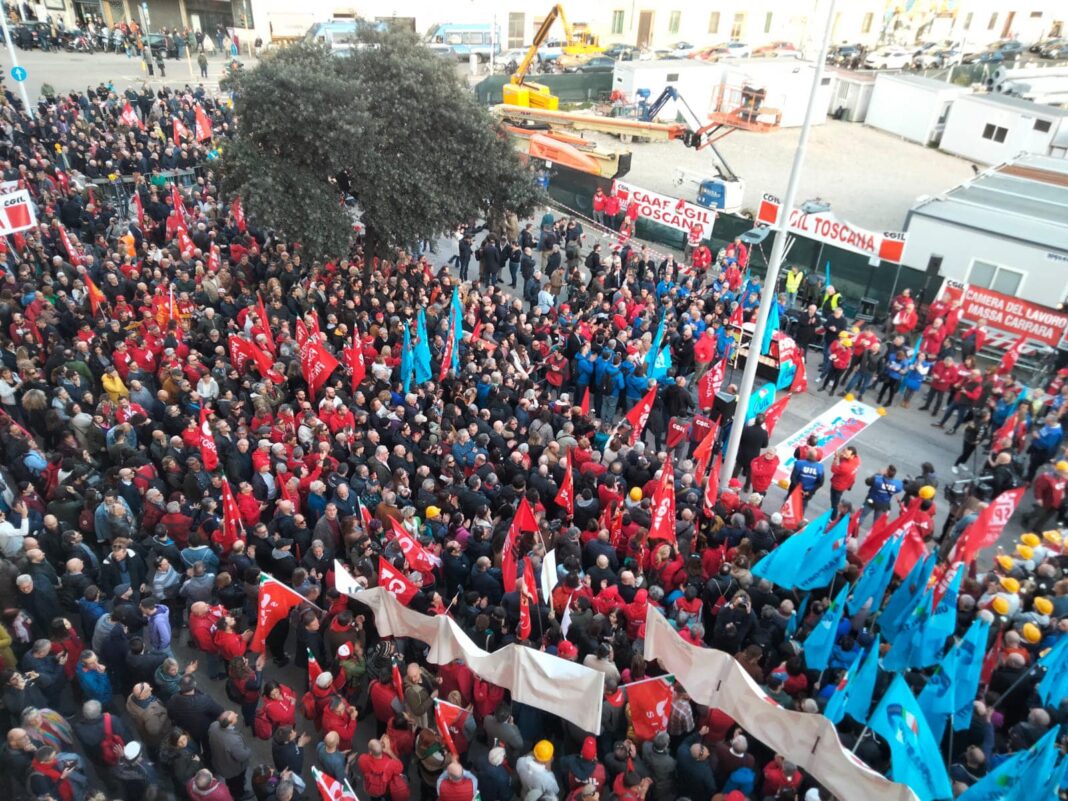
(662, 525)
(203, 124)
(331, 789)
(774, 414)
(702, 454)
(316, 364)
(800, 382)
(129, 118)
(987, 527)
(650, 707)
(395, 582)
(565, 498)
(214, 259)
(239, 215)
(524, 618)
(265, 324)
(415, 554)
(522, 521)
(209, 455)
(450, 720)
(712, 487)
(791, 510)
(710, 384)
(639, 414)
(275, 601)
(1011, 356)
(356, 361)
(232, 529)
(180, 132)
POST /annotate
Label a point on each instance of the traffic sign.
(18, 73)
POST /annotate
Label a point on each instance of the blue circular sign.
(18, 73)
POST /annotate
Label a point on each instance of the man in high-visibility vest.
(793, 284)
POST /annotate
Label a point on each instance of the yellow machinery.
(520, 92)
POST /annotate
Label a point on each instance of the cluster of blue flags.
(1054, 685)
(820, 641)
(952, 688)
(658, 358)
(1034, 773)
(422, 351)
(872, 584)
(905, 597)
(808, 559)
(407, 365)
(854, 692)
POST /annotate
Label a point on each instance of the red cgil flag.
(265, 323)
(203, 125)
(180, 132)
(357, 365)
(274, 604)
(129, 118)
(565, 498)
(710, 384)
(232, 529)
(987, 527)
(264, 363)
(240, 352)
(991, 660)
(650, 707)
(394, 582)
(72, 255)
(662, 525)
(800, 382)
(521, 522)
(530, 581)
(524, 618)
(140, 210)
(702, 454)
(365, 515)
(214, 259)
(331, 789)
(712, 487)
(774, 414)
(316, 364)
(1011, 356)
(585, 407)
(96, 297)
(415, 554)
(239, 215)
(881, 531)
(792, 510)
(209, 455)
(449, 719)
(639, 414)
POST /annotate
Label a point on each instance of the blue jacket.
(894, 369)
(158, 629)
(604, 361)
(916, 374)
(637, 386)
(884, 489)
(95, 686)
(1048, 438)
(464, 453)
(808, 474)
(583, 369)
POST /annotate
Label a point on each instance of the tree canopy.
(394, 118)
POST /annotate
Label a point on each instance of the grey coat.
(230, 753)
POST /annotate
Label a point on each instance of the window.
(475, 38)
(517, 23)
(825, 81)
(1042, 126)
(1036, 15)
(995, 132)
(453, 39)
(865, 26)
(674, 22)
(968, 21)
(944, 114)
(617, 21)
(993, 21)
(672, 77)
(738, 26)
(991, 276)
(713, 22)
(767, 22)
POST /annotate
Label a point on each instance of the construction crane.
(519, 91)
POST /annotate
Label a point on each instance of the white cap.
(132, 750)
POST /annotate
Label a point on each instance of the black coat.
(194, 713)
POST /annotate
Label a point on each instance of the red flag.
(881, 531)
(232, 528)
(987, 527)
(264, 364)
(800, 382)
(702, 454)
(912, 550)
(774, 414)
(265, 323)
(942, 578)
(185, 242)
(365, 516)
(203, 124)
(214, 259)
(331, 789)
(398, 682)
(96, 297)
(140, 210)
(179, 208)
(712, 487)
(129, 118)
(521, 522)
(710, 384)
(240, 352)
(1011, 356)
(1007, 430)
(449, 719)
(650, 707)
(414, 553)
(524, 618)
(662, 525)
(530, 581)
(639, 413)
(180, 132)
(394, 582)
(275, 602)
(209, 455)
(792, 510)
(737, 317)
(585, 407)
(565, 498)
(357, 365)
(72, 255)
(239, 215)
(677, 432)
(284, 492)
(991, 660)
(316, 364)
(313, 668)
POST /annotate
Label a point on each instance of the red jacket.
(775, 779)
(761, 472)
(228, 644)
(840, 355)
(598, 205)
(844, 473)
(343, 723)
(1049, 490)
(611, 205)
(905, 321)
(382, 696)
(378, 772)
(201, 627)
(463, 790)
(943, 376)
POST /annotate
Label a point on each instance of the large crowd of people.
(130, 405)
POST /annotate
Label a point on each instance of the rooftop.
(1018, 103)
(1026, 199)
(930, 84)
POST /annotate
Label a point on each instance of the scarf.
(53, 773)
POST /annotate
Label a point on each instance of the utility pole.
(15, 64)
(782, 228)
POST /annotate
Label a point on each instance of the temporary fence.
(570, 87)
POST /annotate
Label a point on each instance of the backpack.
(607, 384)
(261, 724)
(112, 746)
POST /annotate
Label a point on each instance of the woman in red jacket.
(279, 704)
(762, 470)
(843, 473)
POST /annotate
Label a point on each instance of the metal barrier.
(570, 87)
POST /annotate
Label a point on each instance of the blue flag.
(938, 696)
(916, 760)
(908, 647)
(457, 321)
(853, 695)
(661, 365)
(780, 565)
(943, 621)
(820, 641)
(796, 618)
(972, 649)
(1015, 778)
(824, 559)
(827, 273)
(407, 364)
(769, 329)
(658, 340)
(905, 597)
(422, 351)
(876, 577)
(1054, 685)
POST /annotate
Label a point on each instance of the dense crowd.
(130, 583)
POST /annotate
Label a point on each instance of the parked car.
(595, 64)
(1042, 44)
(779, 53)
(739, 50)
(1057, 51)
(1008, 47)
(622, 52)
(984, 57)
(844, 54)
(774, 48)
(27, 35)
(892, 58)
(155, 42)
(713, 53)
(681, 49)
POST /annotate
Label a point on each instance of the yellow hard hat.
(1052, 536)
(1043, 606)
(1031, 540)
(543, 751)
(1061, 466)
(432, 512)
(1004, 562)
(847, 342)
(926, 492)
(1000, 605)
(636, 494)
(1025, 552)
(1031, 633)
(843, 334)
(1009, 584)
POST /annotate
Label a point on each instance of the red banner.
(1009, 314)
(662, 524)
(209, 455)
(395, 582)
(650, 707)
(987, 527)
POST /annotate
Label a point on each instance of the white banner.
(714, 678)
(558, 686)
(670, 211)
(834, 428)
(16, 212)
